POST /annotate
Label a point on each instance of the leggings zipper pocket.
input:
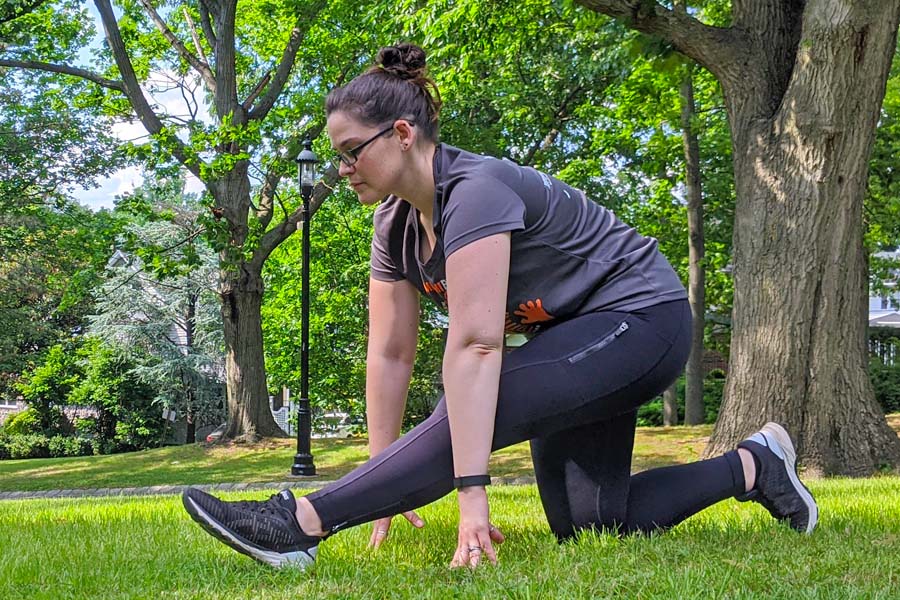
(606, 341)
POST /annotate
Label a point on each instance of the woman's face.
(377, 163)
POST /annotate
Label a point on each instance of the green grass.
(271, 460)
(149, 548)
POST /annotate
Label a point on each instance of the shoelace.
(270, 506)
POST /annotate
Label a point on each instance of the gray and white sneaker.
(265, 530)
(778, 487)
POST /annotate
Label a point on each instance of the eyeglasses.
(349, 157)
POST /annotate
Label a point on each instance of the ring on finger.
(474, 548)
(382, 532)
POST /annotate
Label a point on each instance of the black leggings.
(573, 391)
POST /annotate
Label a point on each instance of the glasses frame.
(351, 156)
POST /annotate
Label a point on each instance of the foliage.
(651, 413)
(53, 257)
(26, 446)
(128, 418)
(159, 305)
(26, 422)
(47, 387)
(38, 445)
(882, 204)
(886, 381)
(340, 236)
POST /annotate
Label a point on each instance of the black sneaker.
(265, 530)
(778, 488)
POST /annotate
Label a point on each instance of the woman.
(504, 248)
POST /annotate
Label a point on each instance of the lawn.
(270, 461)
(148, 548)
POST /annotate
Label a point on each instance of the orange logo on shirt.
(435, 288)
(533, 311)
(531, 314)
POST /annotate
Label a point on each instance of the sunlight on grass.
(149, 548)
(270, 461)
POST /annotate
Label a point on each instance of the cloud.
(167, 100)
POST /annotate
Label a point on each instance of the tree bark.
(249, 416)
(803, 84)
(670, 406)
(694, 411)
(799, 341)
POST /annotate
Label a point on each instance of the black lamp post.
(303, 460)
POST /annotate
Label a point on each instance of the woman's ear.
(406, 133)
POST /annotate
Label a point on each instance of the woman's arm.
(477, 280)
(393, 333)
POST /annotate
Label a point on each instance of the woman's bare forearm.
(387, 383)
(471, 381)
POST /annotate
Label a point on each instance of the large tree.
(237, 62)
(803, 85)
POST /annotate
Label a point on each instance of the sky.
(104, 193)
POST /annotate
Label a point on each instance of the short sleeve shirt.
(569, 256)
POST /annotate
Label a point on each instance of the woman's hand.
(476, 534)
(382, 527)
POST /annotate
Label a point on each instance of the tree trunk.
(694, 411)
(670, 406)
(249, 416)
(803, 83)
(798, 346)
(190, 434)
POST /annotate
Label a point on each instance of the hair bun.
(406, 61)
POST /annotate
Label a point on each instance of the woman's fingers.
(496, 535)
(380, 529)
(415, 519)
(474, 551)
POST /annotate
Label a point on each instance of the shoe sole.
(779, 442)
(298, 559)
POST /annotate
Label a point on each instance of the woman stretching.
(503, 248)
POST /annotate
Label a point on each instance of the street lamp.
(303, 460)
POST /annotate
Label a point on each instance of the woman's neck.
(416, 185)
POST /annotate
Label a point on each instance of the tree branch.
(286, 228)
(283, 71)
(267, 198)
(201, 67)
(226, 101)
(20, 11)
(132, 88)
(558, 116)
(206, 24)
(65, 70)
(195, 36)
(257, 90)
(712, 47)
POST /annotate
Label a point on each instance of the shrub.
(61, 445)
(23, 423)
(713, 388)
(29, 421)
(886, 382)
(651, 413)
(28, 446)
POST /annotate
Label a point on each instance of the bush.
(61, 445)
(886, 382)
(28, 446)
(28, 422)
(23, 423)
(651, 413)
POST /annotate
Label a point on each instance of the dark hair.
(397, 86)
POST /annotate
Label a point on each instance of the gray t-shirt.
(569, 256)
